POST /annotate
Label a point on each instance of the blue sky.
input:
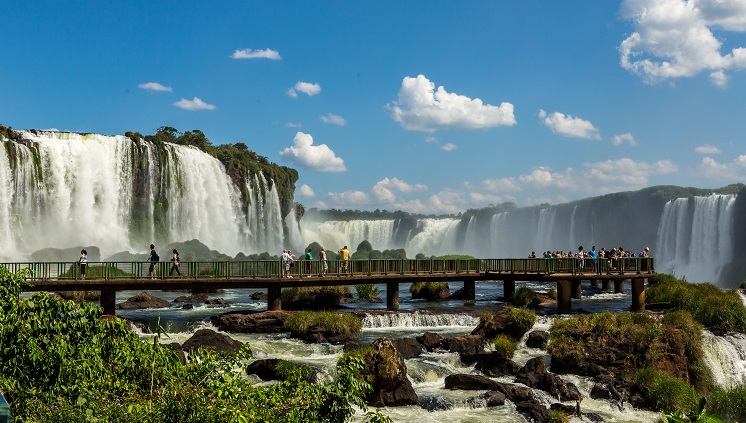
(428, 107)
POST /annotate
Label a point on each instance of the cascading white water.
(67, 189)
(695, 237)
(438, 237)
(417, 320)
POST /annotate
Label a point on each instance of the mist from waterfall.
(67, 189)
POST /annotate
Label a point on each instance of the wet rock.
(433, 403)
(408, 347)
(270, 369)
(196, 298)
(535, 375)
(607, 388)
(499, 323)
(458, 295)
(565, 408)
(252, 321)
(143, 300)
(319, 334)
(537, 339)
(259, 296)
(176, 347)
(533, 410)
(212, 340)
(493, 398)
(388, 374)
(467, 344)
(468, 382)
(430, 340)
(216, 301)
(494, 365)
(351, 346)
(515, 393)
(187, 306)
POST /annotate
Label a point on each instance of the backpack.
(156, 257)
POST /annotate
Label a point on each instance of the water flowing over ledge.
(418, 320)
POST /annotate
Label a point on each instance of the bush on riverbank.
(430, 291)
(63, 362)
(335, 323)
(730, 403)
(366, 291)
(315, 297)
(709, 305)
(525, 297)
(666, 393)
(504, 346)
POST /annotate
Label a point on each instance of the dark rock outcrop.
(430, 340)
(178, 350)
(494, 365)
(466, 382)
(466, 344)
(537, 339)
(491, 398)
(267, 369)
(259, 296)
(408, 347)
(433, 403)
(388, 375)
(143, 300)
(535, 375)
(216, 301)
(252, 321)
(212, 340)
(195, 298)
(499, 323)
(533, 410)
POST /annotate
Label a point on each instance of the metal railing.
(128, 270)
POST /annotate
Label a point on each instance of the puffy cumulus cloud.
(385, 190)
(430, 138)
(312, 157)
(306, 191)
(673, 38)
(707, 149)
(733, 171)
(248, 53)
(543, 177)
(194, 105)
(626, 171)
(422, 108)
(568, 126)
(154, 87)
(501, 185)
(449, 147)
(624, 139)
(333, 119)
(349, 198)
(304, 87)
(294, 125)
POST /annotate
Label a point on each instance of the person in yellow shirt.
(345, 256)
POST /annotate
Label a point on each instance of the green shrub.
(666, 393)
(334, 323)
(504, 346)
(743, 285)
(367, 291)
(729, 403)
(429, 290)
(522, 318)
(314, 297)
(557, 416)
(525, 297)
(552, 293)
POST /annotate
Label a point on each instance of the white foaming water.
(695, 237)
(334, 234)
(726, 357)
(438, 237)
(418, 320)
(66, 189)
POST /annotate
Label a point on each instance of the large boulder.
(195, 298)
(212, 340)
(533, 410)
(499, 323)
(386, 371)
(430, 340)
(537, 339)
(466, 382)
(494, 364)
(430, 291)
(535, 375)
(408, 347)
(269, 369)
(466, 344)
(251, 321)
(143, 300)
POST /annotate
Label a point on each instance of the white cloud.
(707, 149)
(449, 147)
(673, 38)
(421, 108)
(333, 119)
(501, 185)
(349, 198)
(294, 125)
(430, 138)
(719, 78)
(306, 191)
(568, 126)
(543, 177)
(733, 171)
(320, 205)
(627, 172)
(154, 86)
(304, 87)
(384, 190)
(624, 138)
(193, 105)
(312, 157)
(248, 53)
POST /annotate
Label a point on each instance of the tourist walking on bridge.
(345, 257)
(581, 259)
(175, 263)
(324, 264)
(83, 261)
(152, 258)
(308, 257)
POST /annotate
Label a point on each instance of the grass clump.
(552, 293)
(430, 290)
(315, 297)
(521, 318)
(729, 403)
(557, 416)
(666, 393)
(743, 285)
(526, 298)
(707, 303)
(504, 346)
(367, 291)
(335, 324)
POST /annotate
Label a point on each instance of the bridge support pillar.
(392, 296)
(577, 289)
(470, 291)
(564, 296)
(274, 298)
(109, 302)
(605, 285)
(619, 286)
(594, 283)
(508, 289)
(638, 295)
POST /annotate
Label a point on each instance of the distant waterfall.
(66, 189)
(695, 237)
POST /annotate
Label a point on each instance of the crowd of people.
(614, 254)
(288, 261)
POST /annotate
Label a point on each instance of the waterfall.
(67, 189)
(726, 357)
(695, 237)
(418, 320)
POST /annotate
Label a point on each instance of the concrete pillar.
(392, 296)
(274, 298)
(564, 296)
(619, 286)
(638, 295)
(594, 283)
(508, 289)
(470, 293)
(577, 289)
(605, 284)
(109, 302)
